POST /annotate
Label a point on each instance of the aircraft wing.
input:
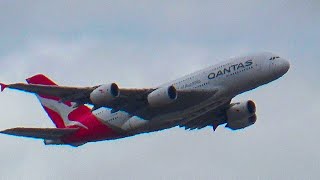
(133, 101)
(42, 133)
(74, 94)
(213, 117)
(49, 90)
(79, 95)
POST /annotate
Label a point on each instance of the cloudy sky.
(144, 44)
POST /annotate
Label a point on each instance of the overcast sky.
(144, 44)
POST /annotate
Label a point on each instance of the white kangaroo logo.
(62, 109)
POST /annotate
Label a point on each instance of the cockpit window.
(274, 57)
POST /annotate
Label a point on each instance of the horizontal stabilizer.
(42, 133)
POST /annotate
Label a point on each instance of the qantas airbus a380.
(194, 101)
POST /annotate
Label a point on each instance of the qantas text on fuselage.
(195, 101)
(230, 69)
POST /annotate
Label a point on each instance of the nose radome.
(285, 65)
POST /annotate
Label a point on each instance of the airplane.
(194, 101)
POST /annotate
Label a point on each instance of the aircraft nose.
(285, 65)
(280, 67)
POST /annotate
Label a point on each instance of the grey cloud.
(213, 20)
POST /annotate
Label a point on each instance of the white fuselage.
(228, 78)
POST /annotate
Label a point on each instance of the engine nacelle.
(241, 115)
(162, 96)
(104, 94)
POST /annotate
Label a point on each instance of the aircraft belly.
(179, 117)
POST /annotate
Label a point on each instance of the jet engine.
(162, 96)
(104, 94)
(241, 115)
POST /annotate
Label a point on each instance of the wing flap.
(213, 117)
(41, 133)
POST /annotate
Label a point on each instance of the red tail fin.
(62, 114)
(40, 79)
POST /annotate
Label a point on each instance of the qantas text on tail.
(194, 101)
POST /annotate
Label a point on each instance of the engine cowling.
(241, 115)
(162, 96)
(104, 94)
